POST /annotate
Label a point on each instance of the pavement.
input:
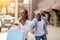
(53, 34)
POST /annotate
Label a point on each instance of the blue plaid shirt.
(45, 25)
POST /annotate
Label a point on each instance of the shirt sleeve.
(45, 28)
(34, 23)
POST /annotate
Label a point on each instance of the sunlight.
(26, 2)
(4, 3)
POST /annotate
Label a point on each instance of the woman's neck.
(23, 21)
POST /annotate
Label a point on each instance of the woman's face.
(22, 14)
(38, 16)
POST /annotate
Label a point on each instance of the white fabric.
(40, 28)
(3, 36)
(31, 36)
(26, 28)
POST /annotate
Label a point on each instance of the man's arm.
(45, 28)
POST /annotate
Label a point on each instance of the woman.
(24, 24)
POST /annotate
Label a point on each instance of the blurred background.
(9, 13)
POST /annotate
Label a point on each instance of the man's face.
(38, 16)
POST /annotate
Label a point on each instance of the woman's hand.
(15, 27)
(17, 24)
(32, 31)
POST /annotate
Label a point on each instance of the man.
(40, 27)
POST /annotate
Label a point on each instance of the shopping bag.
(15, 35)
(31, 36)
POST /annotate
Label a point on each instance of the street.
(53, 33)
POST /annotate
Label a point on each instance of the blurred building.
(50, 6)
(12, 7)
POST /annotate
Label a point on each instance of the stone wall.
(51, 3)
